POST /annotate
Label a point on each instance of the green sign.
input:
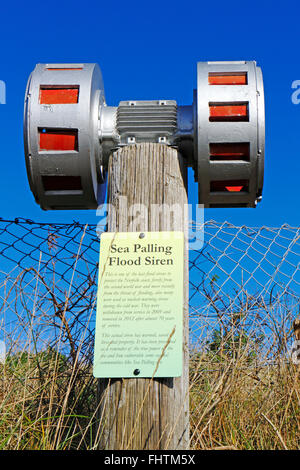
(139, 305)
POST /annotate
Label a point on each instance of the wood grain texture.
(296, 326)
(145, 414)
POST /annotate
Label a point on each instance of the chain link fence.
(244, 288)
(243, 299)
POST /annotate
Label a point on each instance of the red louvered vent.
(64, 68)
(232, 186)
(58, 139)
(59, 95)
(229, 151)
(230, 78)
(228, 112)
(62, 183)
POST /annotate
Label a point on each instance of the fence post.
(145, 414)
(296, 326)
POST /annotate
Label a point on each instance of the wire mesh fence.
(244, 287)
(243, 299)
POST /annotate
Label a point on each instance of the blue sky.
(149, 51)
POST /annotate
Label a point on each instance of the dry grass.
(48, 403)
(241, 407)
(238, 400)
(45, 403)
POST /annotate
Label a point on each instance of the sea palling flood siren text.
(158, 255)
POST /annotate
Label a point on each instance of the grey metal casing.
(251, 131)
(84, 162)
(229, 180)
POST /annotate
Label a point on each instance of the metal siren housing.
(69, 133)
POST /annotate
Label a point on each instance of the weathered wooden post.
(296, 327)
(148, 413)
(73, 139)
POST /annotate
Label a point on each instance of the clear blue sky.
(149, 50)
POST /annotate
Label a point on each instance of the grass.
(44, 403)
(47, 403)
(240, 407)
(48, 396)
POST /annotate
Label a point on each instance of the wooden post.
(296, 326)
(145, 414)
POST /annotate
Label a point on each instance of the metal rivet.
(136, 371)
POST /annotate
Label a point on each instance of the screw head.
(136, 371)
(142, 235)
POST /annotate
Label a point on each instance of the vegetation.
(237, 405)
(244, 389)
(45, 403)
(48, 403)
